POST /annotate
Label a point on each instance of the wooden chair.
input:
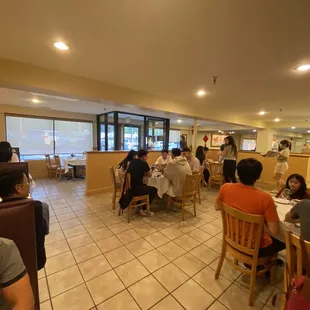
(189, 193)
(137, 201)
(49, 166)
(242, 235)
(116, 190)
(295, 262)
(60, 170)
(216, 174)
(13, 216)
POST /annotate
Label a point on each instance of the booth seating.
(18, 224)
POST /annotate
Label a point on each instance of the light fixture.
(308, 131)
(277, 120)
(232, 132)
(179, 121)
(35, 100)
(61, 46)
(254, 130)
(220, 131)
(201, 93)
(305, 67)
(293, 127)
(262, 113)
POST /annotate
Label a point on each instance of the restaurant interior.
(76, 97)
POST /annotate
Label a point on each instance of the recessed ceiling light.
(262, 113)
(308, 131)
(293, 127)
(35, 100)
(254, 130)
(61, 46)
(220, 131)
(232, 132)
(201, 93)
(305, 67)
(179, 121)
(277, 120)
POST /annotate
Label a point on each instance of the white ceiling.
(57, 103)
(172, 48)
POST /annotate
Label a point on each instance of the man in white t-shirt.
(164, 159)
(193, 161)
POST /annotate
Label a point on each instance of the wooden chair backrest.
(242, 231)
(216, 169)
(122, 177)
(48, 161)
(17, 223)
(112, 174)
(190, 185)
(57, 161)
(295, 256)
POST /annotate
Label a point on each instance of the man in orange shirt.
(244, 197)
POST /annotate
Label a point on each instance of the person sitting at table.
(124, 164)
(177, 171)
(192, 160)
(15, 287)
(14, 186)
(164, 159)
(246, 198)
(138, 169)
(7, 154)
(300, 213)
(201, 153)
(295, 188)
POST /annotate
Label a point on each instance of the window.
(174, 139)
(248, 144)
(39, 136)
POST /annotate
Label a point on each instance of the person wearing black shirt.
(138, 169)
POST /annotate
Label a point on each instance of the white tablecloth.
(161, 183)
(282, 210)
(73, 162)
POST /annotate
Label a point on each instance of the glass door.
(131, 138)
(155, 140)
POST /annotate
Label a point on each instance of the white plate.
(282, 201)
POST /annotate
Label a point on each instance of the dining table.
(161, 183)
(283, 207)
(74, 162)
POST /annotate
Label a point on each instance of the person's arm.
(19, 294)
(14, 280)
(157, 161)
(271, 217)
(147, 170)
(293, 216)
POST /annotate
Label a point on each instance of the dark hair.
(130, 156)
(142, 153)
(186, 150)
(164, 151)
(6, 152)
(231, 141)
(176, 152)
(200, 154)
(182, 136)
(301, 193)
(205, 149)
(286, 143)
(9, 178)
(249, 170)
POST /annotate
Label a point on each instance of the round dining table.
(282, 209)
(160, 182)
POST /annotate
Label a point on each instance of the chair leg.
(252, 285)
(199, 197)
(113, 199)
(273, 273)
(194, 203)
(221, 260)
(183, 210)
(148, 205)
(129, 213)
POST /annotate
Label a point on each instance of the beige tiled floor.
(96, 260)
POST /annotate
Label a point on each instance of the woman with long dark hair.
(7, 155)
(201, 155)
(230, 154)
(295, 188)
(123, 165)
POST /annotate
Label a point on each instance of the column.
(194, 137)
(265, 139)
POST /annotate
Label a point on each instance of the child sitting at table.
(295, 188)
